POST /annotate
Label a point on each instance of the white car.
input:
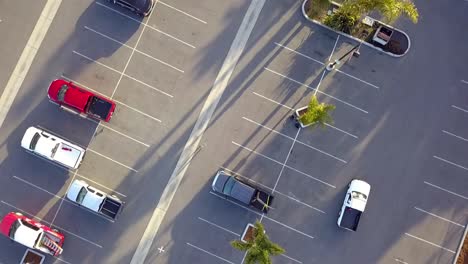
(53, 148)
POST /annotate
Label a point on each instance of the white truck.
(354, 204)
(94, 200)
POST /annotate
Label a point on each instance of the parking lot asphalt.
(398, 124)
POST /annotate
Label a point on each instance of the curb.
(357, 39)
(461, 245)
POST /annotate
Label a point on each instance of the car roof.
(75, 96)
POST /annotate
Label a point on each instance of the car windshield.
(62, 92)
(54, 150)
(360, 196)
(229, 185)
(81, 195)
(34, 140)
(13, 229)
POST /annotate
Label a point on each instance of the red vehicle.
(80, 101)
(32, 234)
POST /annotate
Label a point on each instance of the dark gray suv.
(141, 7)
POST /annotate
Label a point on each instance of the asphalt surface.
(398, 124)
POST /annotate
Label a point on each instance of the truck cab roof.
(229, 185)
(64, 92)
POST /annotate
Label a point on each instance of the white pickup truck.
(354, 204)
(94, 200)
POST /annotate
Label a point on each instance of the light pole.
(354, 50)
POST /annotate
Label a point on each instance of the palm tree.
(317, 113)
(260, 248)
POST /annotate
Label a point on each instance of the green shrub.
(342, 20)
(317, 8)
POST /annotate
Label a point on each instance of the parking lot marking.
(121, 164)
(290, 108)
(314, 89)
(37, 187)
(440, 188)
(220, 227)
(441, 218)
(401, 261)
(60, 228)
(27, 57)
(430, 243)
(187, 14)
(124, 135)
(463, 81)
(129, 107)
(286, 160)
(357, 79)
(451, 134)
(192, 146)
(145, 25)
(211, 254)
(287, 166)
(62, 200)
(300, 54)
(294, 139)
(271, 189)
(136, 50)
(334, 47)
(288, 227)
(288, 257)
(451, 163)
(97, 183)
(117, 71)
(459, 108)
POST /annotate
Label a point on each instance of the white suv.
(53, 148)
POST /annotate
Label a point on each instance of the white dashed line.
(123, 74)
(185, 13)
(451, 134)
(220, 227)
(153, 28)
(60, 228)
(137, 51)
(104, 156)
(440, 188)
(314, 89)
(451, 163)
(211, 254)
(440, 217)
(430, 243)
(459, 108)
(277, 162)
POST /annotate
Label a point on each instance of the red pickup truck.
(32, 234)
(80, 101)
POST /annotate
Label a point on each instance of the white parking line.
(295, 140)
(451, 163)
(288, 257)
(58, 227)
(441, 218)
(289, 167)
(37, 187)
(211, 254)
(97, 183)
(121, 164)
(400, 261)
(430, 243)
(357, 79)
(124, 135)
(117, 71)
(117, 101)
(459, 108)
(314, 89)
(262, 215)
(271, 189)
(300, 54)
(463, 81)
(286, 160)
(440, 188)
(334, 47)
(220, 227)
(451, 134)
(139, 22)
(138, 51)
(178, 10)
(290, 108)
